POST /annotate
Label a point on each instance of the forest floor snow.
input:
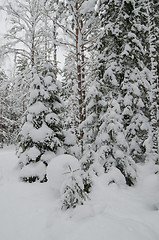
(32, 211)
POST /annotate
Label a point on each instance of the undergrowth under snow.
(32, 211)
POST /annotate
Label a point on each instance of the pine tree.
(41, 136)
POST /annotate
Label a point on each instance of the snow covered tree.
(154, 79)
(134, 85)
(95, 108)
(30, 35)
(110, 73)
(21, 82)
(32, 29)
(136, 121)
(30, 39)
(93, 102)
(24, 36)
(69, 94)
(73, 193)
(69, 97)
(113, 149)
(41, 136)
(79, 26)
(90, 167)
(24, 39)
(3, 87)
(8, 111)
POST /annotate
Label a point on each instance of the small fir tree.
(73, 192)
(41, 134)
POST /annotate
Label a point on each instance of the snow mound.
(70, 138)
(60, 168)
(33, 153)
(152, 183)
(148, 184)
(150, 191)
(115, 176)
(33, 170)
(47, 156)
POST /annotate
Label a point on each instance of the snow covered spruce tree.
(136, 118)
(41, 135)
(134, 84)
(111, 143)
(95, 108)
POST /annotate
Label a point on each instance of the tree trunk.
(55, 48)
(83, 74)
(79, 77)
(74, 113)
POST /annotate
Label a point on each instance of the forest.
(94, 109)
(79, 119)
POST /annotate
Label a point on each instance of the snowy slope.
(32, 211)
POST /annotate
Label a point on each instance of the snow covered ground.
(32, 211)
